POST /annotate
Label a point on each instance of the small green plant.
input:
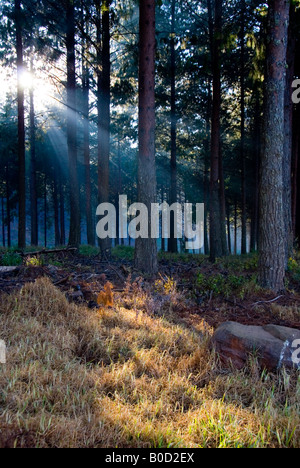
(123, 252)
(11, 258)
(89, 250)
(225, 285)
(293, 266)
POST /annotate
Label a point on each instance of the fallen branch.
(49, 252)
(267, 302)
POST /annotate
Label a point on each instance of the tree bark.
(146, 249)
(256, 165)
(33, 182)
(224, 238)
(272, 251)
(56, 210)
(45, 211)
(229, 229)
(86, 135)
(104, 116)
(8, 210)
(216, 249)
(288, 139)
(235, 227)
(74, 235)
(21, 130)
(295, 169)
(3, 222)
(172, 244)
(62, 212)
(243, 158)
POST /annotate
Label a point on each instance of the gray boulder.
(274, 346)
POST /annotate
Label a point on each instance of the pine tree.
(146, 249)
(272, 250)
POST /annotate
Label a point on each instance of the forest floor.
(99, 356)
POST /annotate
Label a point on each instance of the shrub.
(11, 258)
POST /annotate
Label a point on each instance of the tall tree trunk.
(146, 249)
(74, 235)
(45, 211)
(172, 244)
(235, 227)
(8, 211)
(206, 200)
(256, 164)
(104, 116)
(33, 183)
(62, 212)
(243, 157)
(272, 258)
(216, 249)
(21, 130)
(225, 249)
(86, 134)
(3, 222)
(229, 228)
(288, 138)
(56, 209)
(119, 192)
(295, 168)
(208, 130)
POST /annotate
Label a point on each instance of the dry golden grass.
(81, 378)
(290, 313)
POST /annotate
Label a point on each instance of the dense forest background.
(78, 91)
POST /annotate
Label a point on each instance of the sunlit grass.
(115, 378)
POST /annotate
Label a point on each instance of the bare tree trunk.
(56, 210)
(86, 136)
(216, 249)
(243, 157)
(272, 258)
(235, 227)
(256, 164)
(3, 222)
(8, 211)
(146, 249)
(206, 162)
(229, 229)
(288, 139)
(62, 212)
(172, 244)
(33, 183)
(225, 250)
(295, 168)
(206, 202)
(74, 235)
(104, 117)
(21, 130)
(45, 211)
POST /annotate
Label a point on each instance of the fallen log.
(48, 252)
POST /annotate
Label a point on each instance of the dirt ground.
(82, 278)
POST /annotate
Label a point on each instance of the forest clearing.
(149, 226)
